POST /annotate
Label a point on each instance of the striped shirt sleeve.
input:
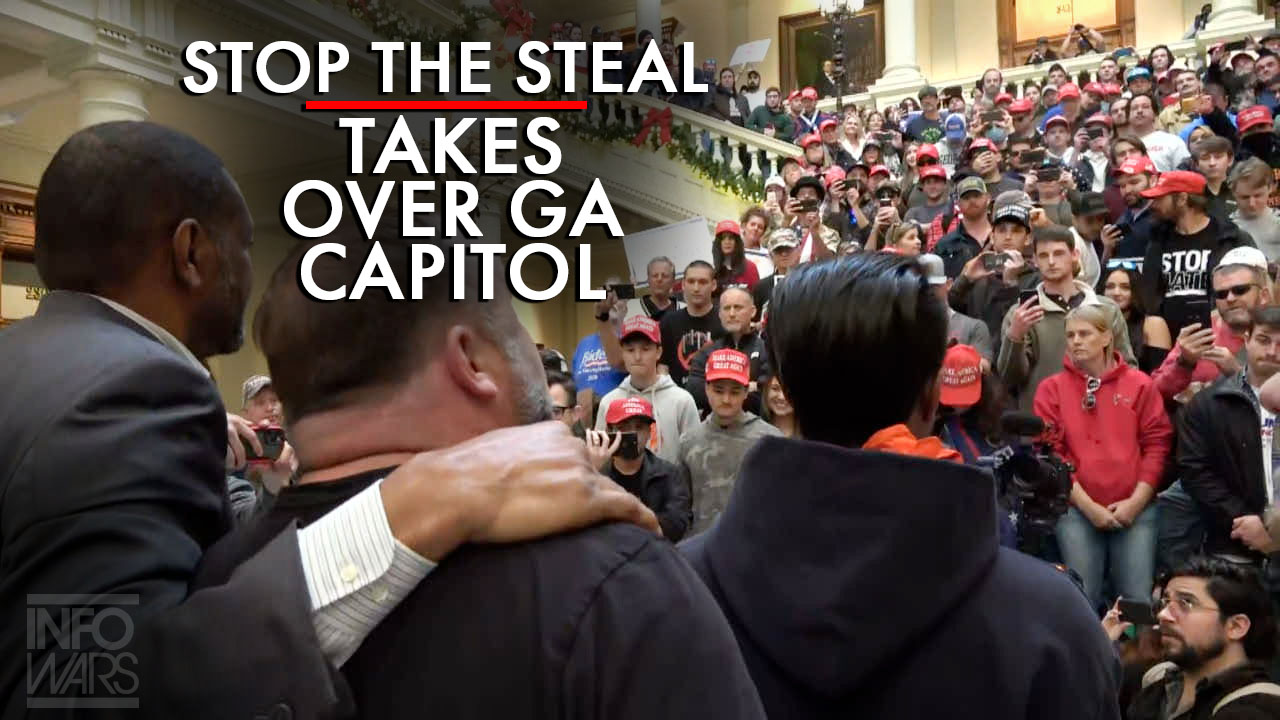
(357, 572)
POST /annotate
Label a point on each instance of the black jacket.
(663, 488)
(957, 248)
(607, 622)
(112, 479)
(751, 345)
(1151, 702)
(871, 585)
(718, 102)
(1220, 458)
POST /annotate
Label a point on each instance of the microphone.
(1021, 424)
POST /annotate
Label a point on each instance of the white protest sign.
(750, 53)
(683, 242)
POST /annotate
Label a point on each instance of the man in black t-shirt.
(1184, 249)
(693, 327)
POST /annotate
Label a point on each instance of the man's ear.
(473, 363)
(193, 256)
(1237, 627)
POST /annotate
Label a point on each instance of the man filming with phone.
(1087, 40)
(622, 453)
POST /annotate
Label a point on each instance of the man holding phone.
(622, 453)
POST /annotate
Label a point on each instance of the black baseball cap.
(810, 181)
(1091, 203)
(926, 91)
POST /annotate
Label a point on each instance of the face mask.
(997, 135)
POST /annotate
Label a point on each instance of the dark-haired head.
(882, 334)
(469, 360)
(147, 216)
(1211, 605)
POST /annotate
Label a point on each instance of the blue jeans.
(1181, 528)
(1129, 554)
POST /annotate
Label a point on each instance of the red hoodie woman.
(1108, 421)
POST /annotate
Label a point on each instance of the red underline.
(446, 105)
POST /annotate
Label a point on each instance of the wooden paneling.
(1013, 52)
(17, 220)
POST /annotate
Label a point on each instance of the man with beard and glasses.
(859, 564)
(1218, 632)
(577, 625)
(114, 467)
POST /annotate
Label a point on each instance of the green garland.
(685, 146)
(386, 19)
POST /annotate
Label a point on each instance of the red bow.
(515, 18)
(660, 118)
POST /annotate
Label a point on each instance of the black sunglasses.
(1236, 290)
(1090, 399)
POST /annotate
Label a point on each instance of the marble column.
(900, 42)
(108, 95)
(649, 17)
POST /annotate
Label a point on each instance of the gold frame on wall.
(1014, 53)
(790, 25)
(17, 226)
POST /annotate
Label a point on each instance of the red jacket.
(1123, 441)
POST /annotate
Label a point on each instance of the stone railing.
(727, 141)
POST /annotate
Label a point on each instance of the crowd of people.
(763, 488)
(1107, 253)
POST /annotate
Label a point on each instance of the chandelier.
(837, 8)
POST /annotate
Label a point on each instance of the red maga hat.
(728, 226)
(1251, 117)
(1176, 181)
(626, 408)
(729, 365)
(961, 376)
(1068, 91)
(642, 325)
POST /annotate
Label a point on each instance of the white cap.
(1249, 256)
(934, 269)
(775, 181)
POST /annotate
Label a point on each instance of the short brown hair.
(1213, 145)
(755, 211)
(1252, 172)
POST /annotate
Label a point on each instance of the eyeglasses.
(1123, 264)
(1236, 290)
(558, 411)
(926, 161)
(1090, 399)
(1182, 605)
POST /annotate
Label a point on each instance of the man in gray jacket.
(1034, 331)
(712, 452)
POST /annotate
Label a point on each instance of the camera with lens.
(1032, 482)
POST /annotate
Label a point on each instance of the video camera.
(1031, 481)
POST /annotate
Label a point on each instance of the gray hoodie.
(711, 455)
(674, 414)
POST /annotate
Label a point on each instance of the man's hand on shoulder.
(505, 486)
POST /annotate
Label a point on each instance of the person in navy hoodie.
(858, 563)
